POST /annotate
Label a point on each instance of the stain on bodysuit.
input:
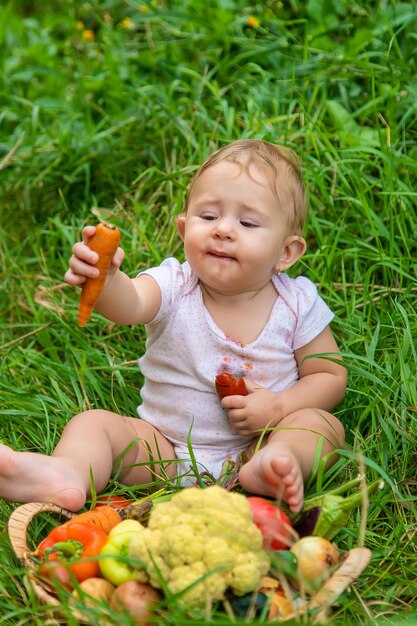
(234, 366)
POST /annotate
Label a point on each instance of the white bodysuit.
(185, 350)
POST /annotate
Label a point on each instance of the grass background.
(107, 108)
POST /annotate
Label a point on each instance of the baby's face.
(235, 233)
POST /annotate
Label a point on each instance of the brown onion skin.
(136, 599)
(316, 559)
(97, 588)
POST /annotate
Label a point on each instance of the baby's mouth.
(221, 255)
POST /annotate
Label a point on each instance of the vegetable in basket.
(273, 523)
(316, 559)
(326, 514)
(137, 600)
(93, 589)
(115, 564)
(104, 517)
(117, 502)
(201, 543)
(71, 549)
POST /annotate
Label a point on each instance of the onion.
(137, 599)
(316, 557)
(89, 593)
(97, 588)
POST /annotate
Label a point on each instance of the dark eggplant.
(326, 514)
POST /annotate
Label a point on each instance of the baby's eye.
(247, 224)
(208, 216)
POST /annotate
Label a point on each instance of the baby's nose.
(225, 227)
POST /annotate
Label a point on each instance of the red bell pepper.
(227, 385)
(71, 548)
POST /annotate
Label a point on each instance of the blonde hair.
(280, 164)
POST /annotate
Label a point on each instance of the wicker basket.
(350, 568)
(17, 527)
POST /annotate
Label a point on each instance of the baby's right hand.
(83, 260)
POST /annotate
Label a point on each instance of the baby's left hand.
(259, 409)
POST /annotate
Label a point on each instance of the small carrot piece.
(104, 517)
(105, 242)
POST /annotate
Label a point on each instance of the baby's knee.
(340, 430)
(320, 421)
(91, 417)
(331, 427)
(336, 427)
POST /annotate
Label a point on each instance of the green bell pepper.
(115, 564)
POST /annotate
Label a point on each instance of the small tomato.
(273, 523)
(117, 502)
(55, 572)
(227, 385)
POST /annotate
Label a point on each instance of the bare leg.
(91, 444)
(280, 467)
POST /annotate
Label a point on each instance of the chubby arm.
(123, 300)
(321, 385)
(130, 300)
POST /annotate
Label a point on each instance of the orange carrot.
(104, 517)
(105, 242)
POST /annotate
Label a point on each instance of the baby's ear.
(181, 225)
(293, 249)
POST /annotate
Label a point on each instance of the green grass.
(116, 126)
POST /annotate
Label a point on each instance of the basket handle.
(20, 519)
(355, 561)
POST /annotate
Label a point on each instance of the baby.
(229, 308)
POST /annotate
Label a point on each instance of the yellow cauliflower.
(204, 539)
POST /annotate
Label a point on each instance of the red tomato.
(227, 385)
(117, 502)
(56, 572)
(273, 523)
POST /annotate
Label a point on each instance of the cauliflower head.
(200, 543)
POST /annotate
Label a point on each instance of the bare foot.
(30, 477)
(275, 471)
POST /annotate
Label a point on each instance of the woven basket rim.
(17, 527)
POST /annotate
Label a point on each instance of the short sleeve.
(310, 313)
(174, 280)
(313, 314)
